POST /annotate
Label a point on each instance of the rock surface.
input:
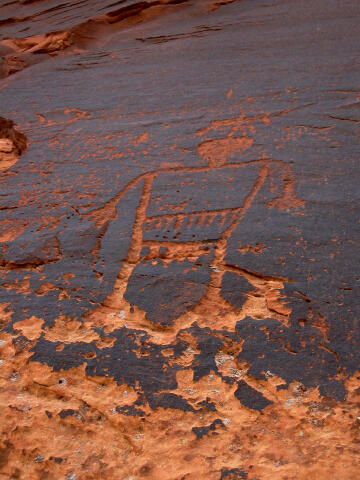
(179, 239)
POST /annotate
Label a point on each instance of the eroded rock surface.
(179, 240)
(12, 144)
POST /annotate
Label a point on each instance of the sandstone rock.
(178, 240)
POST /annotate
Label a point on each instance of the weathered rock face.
(12, 144)
(179, 239)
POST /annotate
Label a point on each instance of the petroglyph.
(212, 201)
(177, 244)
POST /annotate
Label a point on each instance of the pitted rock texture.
(179, 240)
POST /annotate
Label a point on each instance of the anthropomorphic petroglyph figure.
(185, 217)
